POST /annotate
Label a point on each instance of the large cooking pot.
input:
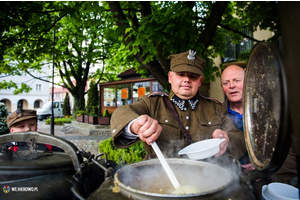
(148, 180)
(48, 175)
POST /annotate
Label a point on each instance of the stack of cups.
(279, 191)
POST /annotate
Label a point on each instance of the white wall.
(39, 92)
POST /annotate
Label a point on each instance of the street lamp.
(52, 110)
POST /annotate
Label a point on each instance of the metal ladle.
(167, 168)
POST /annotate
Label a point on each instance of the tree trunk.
(211, 25)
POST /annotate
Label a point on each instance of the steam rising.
(198, 177)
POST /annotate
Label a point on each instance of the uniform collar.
(181, 104)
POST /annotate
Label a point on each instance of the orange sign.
(124, 93)
(141, 91)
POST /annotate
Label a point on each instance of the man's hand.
(218, 133)
(146, 128)
(248, 167)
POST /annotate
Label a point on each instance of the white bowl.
(279, 191)
(202, 149)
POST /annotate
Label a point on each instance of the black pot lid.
(265, 106)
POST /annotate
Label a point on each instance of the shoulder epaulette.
(157, 94)
(213, 99)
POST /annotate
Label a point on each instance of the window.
(36, 104)
(139, 89)
(233, 51)
(56, 105)
(38, 87)
(156, 87)
(109, 96)
(20, 104)
(123, 94)
(57, 96)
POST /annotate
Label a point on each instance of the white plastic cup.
(279, 191)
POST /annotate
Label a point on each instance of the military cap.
(20, 115)
(187, 62)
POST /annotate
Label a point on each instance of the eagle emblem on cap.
(191, 55)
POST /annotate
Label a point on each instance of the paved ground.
(87, 143)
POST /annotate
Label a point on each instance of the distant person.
(24, 120)
(232, 83)
(151, 119)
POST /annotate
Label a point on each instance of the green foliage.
(24, 88)
(80, 113)
(27, 36)
(66, 106)
(59, 121)
(132, 154)
(106, 113)
(92, 107)
(3, 111)
(94, 111)
(262, 14)
(81, 104)
(18, 89)
(94, 41)
(244, 56)
(3, 115)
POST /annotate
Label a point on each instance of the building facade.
(32, 100)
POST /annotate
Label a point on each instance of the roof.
(128, 74)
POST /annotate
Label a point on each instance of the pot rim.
(171, 161)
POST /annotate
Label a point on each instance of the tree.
(121, 35)
(153, 30)
(3, 115)
(92, 106)
(66, 106)
(79, 47)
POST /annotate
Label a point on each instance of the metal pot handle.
(235, 160)
(39, 137)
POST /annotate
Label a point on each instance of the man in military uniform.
(151, 120)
